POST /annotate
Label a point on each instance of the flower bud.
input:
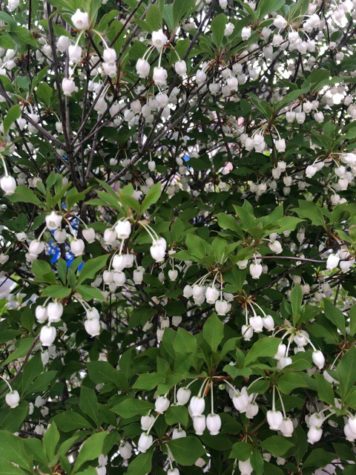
(199, 424)
(173, 274)
(268, 323)
(12, 399)
(246, 332)
(251, 411)
(80, 20)
(222, 307)
(53, 221)
(63, 43)
(318, 359)
(255, 270)
(109, 236)
(213, 423)
(256, 323)
(138, 275)
(125, 450)
(89, 235)
(54, 311)
(158, 249)
(314, 434)
(274, 419)
(60, 235)
(245, 467)
(181, 68)
(144, 442)
(92, 327)
(159, 76)
(159, 39)
(276, 247)
(142, 68)
(332, 261)
(8, 185)
(241, 400)
(287, 427)
(92, 314)
(77, 247)
(123, 229)
(147, 422)
(68, 86)
(36, 247)
(196, 406)
(245, 33)
(109, 55)
(178, 434)
(188, 291)
(173, 471)
(162, 403)
(41, 314)
(211, 295)
(75, 53)
(47, 335)
(183, 395)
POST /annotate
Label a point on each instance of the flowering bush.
(178, 237)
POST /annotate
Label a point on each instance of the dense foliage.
(178, 237)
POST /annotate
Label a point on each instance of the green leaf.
(45, 93)
(90, 293)
(241, 451)
(335, 316)
(13, 114)
(218, 28)
(345, 372)
(352, 315)
(43, 271)
(226, 221)
(213, 332)
(277, 445)
(12, 450)
(264, 347)
(296, 299)
(148, 381)
(88, 404)
(56, 292)
(102, 372)
(309, 210)
(21, 349)
(131, 407)
(69, 421)
(92, 267)
(141, 465)
(181, 9)
(186, 450)
(91, 449)
(268, 6)
(177, 415)
(184, 342)
(50, 441)
(25, 195)
(152, 197)
(154, 18)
